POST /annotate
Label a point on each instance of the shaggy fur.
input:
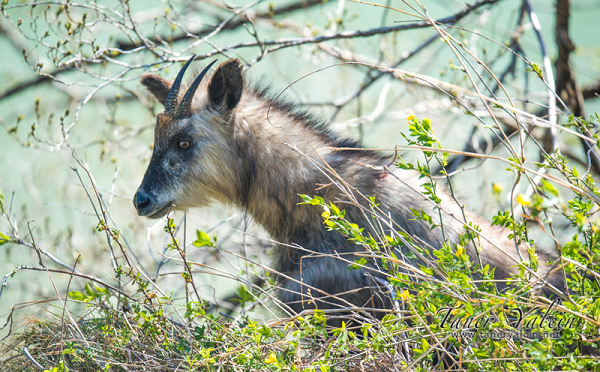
(238, 156)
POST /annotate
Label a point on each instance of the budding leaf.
(4, 239)
(203, 240)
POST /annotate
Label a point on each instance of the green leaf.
(469, 308)
(404, 165)
(480, 353)
(102, 291)
(1, 201)
(395, 281)
(361, 261)
(243, 294)
(334, 209)
(316, 200)
(535, 68)
(365, 327)
(170, 226)
(426, 270)
(88, 290)
(77, 296)
(4, 239)
(203, 240)
(547, 186)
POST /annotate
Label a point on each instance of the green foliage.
(204, 240)
(537, 69)
(464, 299)
(421, 215)
(90, 294)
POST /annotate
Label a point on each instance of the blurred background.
(69, 89)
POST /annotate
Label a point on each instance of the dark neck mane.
(275, 168)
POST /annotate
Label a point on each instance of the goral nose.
(141, 201)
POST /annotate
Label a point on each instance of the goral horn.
(171, 102)
(185, 107)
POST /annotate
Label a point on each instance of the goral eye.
(184, 144)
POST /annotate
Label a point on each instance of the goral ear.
(158, 86)
(226, 86)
